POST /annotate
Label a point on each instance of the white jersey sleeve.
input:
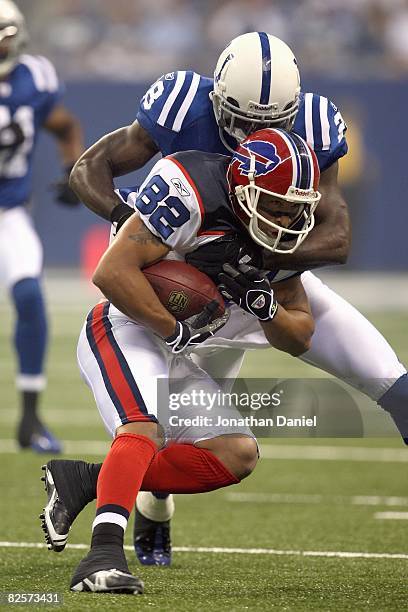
(168, 205)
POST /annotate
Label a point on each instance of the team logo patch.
(259, 302)
(266, 157)
(181, 188)
(169, 76)
(177, 301)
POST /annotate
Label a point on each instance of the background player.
(256, 83)
(185, 201)
(29, 100)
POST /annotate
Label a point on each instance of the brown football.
(183, 289)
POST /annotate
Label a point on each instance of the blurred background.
(353, 51)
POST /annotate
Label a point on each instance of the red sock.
(121, 476)
(184, 468)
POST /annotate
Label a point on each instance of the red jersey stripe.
(192, 185)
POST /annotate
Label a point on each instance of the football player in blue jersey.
(29, 100)
(256, 84)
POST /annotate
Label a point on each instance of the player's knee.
(246, 456)
(150, 430)
(239, 454)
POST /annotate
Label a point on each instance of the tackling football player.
(256, 84)
(29, 100)
(131, 342)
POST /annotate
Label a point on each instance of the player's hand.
(63, 192)
(248, 288)
(232, 248)
(196, 329)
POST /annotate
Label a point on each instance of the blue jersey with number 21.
(27, 96)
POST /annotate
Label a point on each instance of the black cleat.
(31, 433)
(151, 540)
(105, 570)
(66, 498)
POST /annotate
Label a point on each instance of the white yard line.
(400, 516)
(73, 417)
(71, 447)
(238, 551)
(268, 451)
(311, 498)
(334, 453)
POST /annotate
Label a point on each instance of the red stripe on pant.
(113, 368)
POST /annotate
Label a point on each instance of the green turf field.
(266, 541)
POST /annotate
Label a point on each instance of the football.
(183, 289)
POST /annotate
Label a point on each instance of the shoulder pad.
(168, 100)
(42, 71)
(320, 121)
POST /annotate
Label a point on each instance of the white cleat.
(109, 581)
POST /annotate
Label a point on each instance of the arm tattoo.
(143, 236)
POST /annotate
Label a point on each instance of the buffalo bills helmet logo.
(266, 157)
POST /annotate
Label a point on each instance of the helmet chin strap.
(252, 166)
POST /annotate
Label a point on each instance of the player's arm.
(67, 131)
(115, 154)
(292, 327)
(283, 311)
(329, 241)
(120, 278)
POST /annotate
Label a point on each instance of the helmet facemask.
(282, 240)
(240, 124)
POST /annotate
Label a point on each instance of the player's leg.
(72, 484)
(154, 510)
(222, 364)
(152, 527)
(20, 269)
(202, 466)
(105, 569)
(348, 346)
(206, 449)
(121, 363)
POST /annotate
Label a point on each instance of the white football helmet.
(256, 85)
(13, 36)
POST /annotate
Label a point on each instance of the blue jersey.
(27, 96)
(177, 113)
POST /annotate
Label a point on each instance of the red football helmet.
(283, 166)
